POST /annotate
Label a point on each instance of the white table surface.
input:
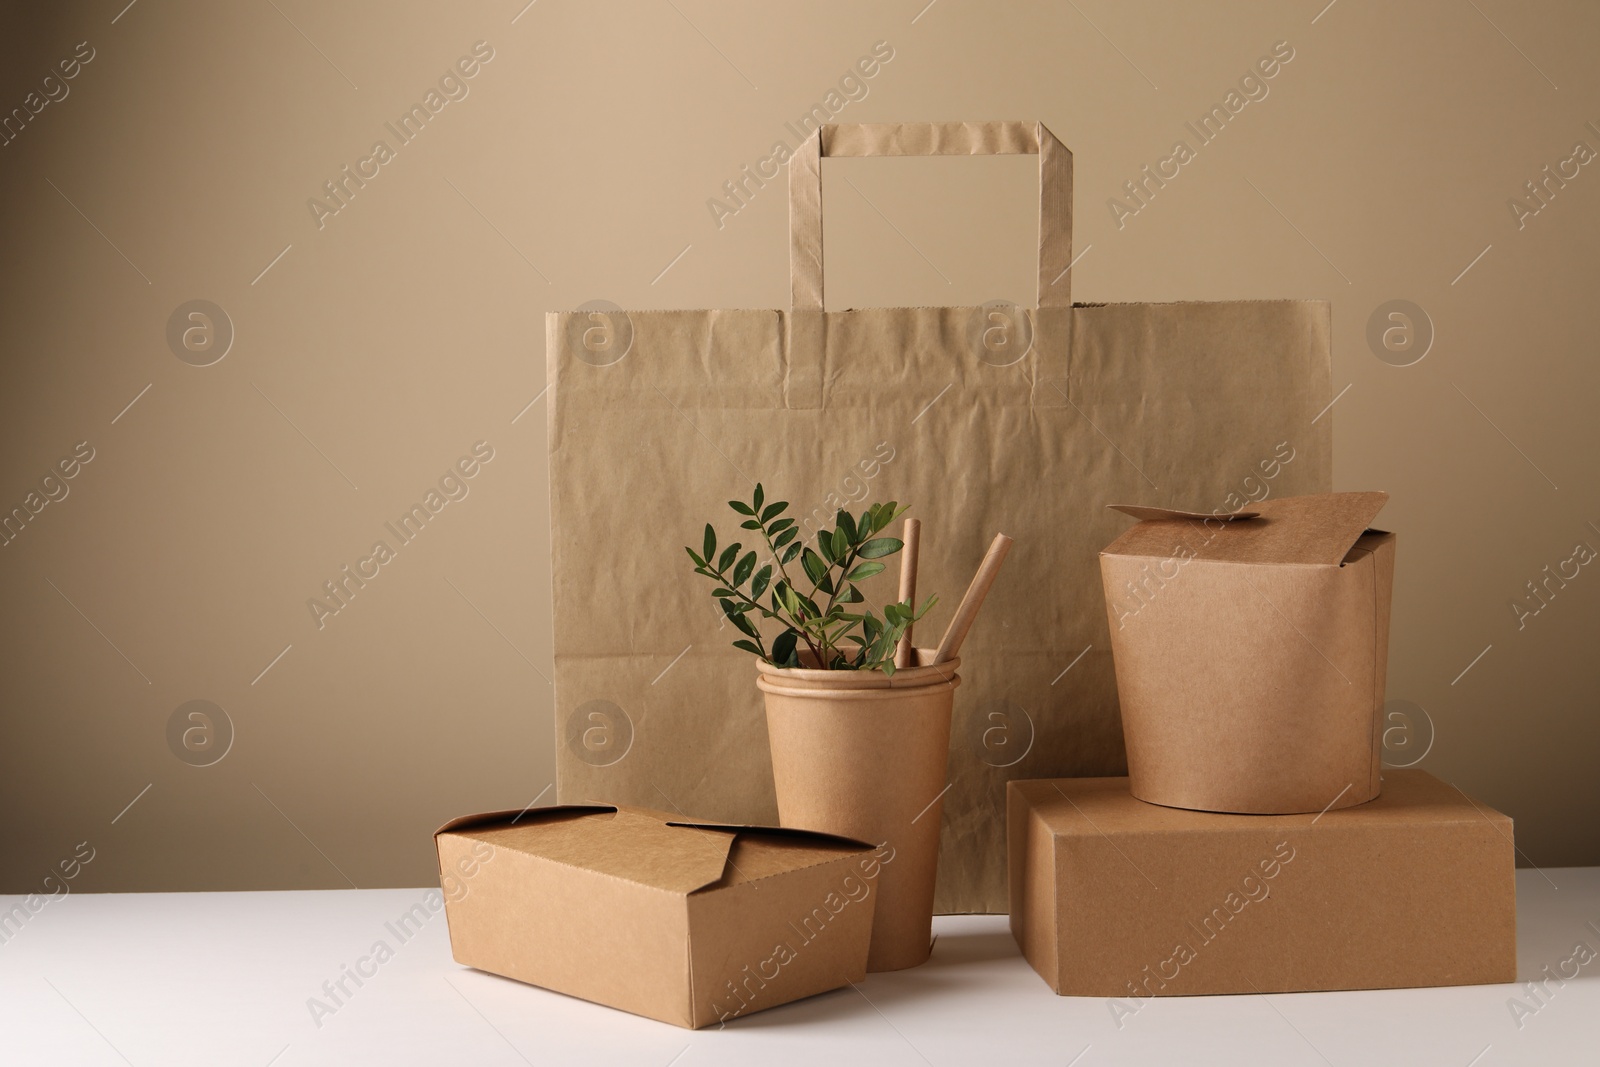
(224, 979)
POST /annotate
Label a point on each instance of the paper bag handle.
(930, 139)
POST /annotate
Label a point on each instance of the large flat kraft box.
(1251, 652)
(1113, 897)
(687, 922)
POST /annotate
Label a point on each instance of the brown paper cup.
(863, 755)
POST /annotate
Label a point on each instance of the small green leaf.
(784, 538)
(735, 615)
(886, 514)
(865, 571)
(749, 524)
(825, 544)
(744, 568)
(759, 586)
(698, 562)
(815, 567)
(748, 646)
(783, 647)
(709, 549)
(841, 542)
(778, 527)
(791, 552)
(722, 591)
(743, 509)
(729, 554)
(881, 546)
(755, 502)
(848, 525)
(773, 510)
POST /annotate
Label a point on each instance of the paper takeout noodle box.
(1250, 652)
(1113, 897)
(683, 921)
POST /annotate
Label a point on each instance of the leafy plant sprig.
(818, 613)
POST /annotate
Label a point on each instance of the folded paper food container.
(1112, 897)
(1250, 653)
(688, 922)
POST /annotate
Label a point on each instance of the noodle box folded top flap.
(677, 919)
(1318, 529)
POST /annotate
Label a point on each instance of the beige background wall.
(375, 350)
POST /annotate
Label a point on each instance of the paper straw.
(908, 588)
(967, 613)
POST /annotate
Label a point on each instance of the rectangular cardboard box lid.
(652, 848)
(1319, 529)
(1094, 807)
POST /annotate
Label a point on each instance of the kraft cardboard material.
(684, 921)
(1251, 653)
(1016, 418)
(863, 754)
(1113, 897)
